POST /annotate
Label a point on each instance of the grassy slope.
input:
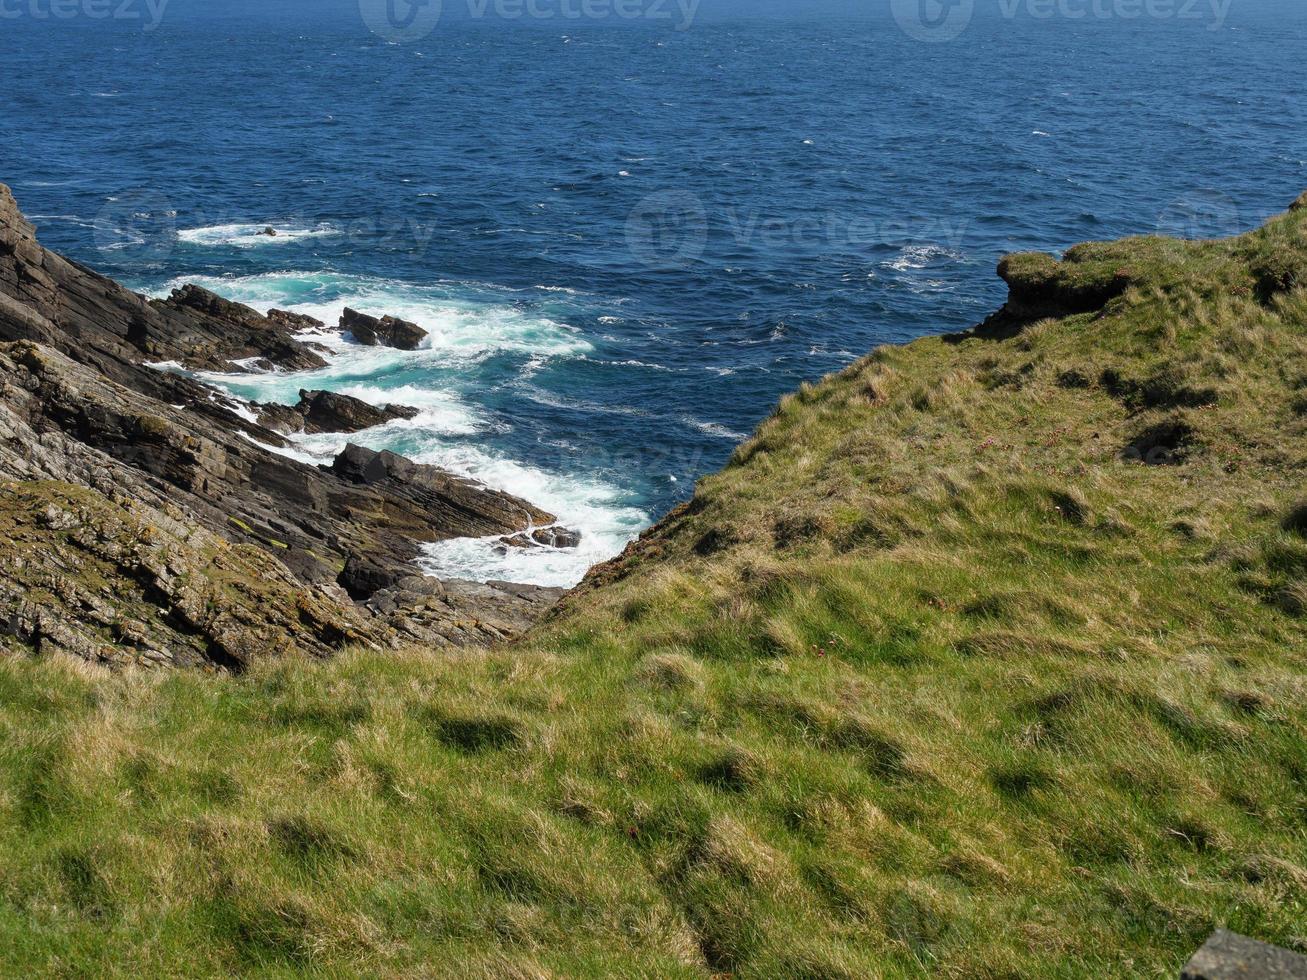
(930, 680)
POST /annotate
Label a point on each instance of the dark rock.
(1229, 956)
(224, 333)
(387, 331)
(360, 465)
(281, 418)
(363, 577)
(294, 322)
(429, 496)
(270, 231)
(557, 537)
(549, 537)
(328, 411)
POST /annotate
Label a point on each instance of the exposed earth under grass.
(986, 657)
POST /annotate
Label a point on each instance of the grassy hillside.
(986, 657)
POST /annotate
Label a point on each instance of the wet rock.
(281, 418)
(549, 537)
(387, 331)
(557, 537)
(225, 333)
(295, 322)
(328, 411)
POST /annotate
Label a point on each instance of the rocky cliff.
(150, 522)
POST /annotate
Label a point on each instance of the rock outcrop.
(548, 537)
(387, 331)
(265, 542)
(329, 411)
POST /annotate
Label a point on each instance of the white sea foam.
(580, 502)
(290, 451)
(252, 236)
(463, 323)
(714, 429)
(913, 257)
(440, 413)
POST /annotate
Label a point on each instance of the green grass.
(984, 658)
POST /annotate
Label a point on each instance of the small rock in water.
(549, 537)
(270, 231)
(558, 537)
(386, 331)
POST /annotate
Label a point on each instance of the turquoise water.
(628, 240)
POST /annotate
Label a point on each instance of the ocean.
(628, 235)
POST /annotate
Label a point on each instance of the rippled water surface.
(627, 241)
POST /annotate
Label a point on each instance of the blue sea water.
(629, 237)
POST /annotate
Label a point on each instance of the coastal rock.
(387, 331)
(59, 421)
(295, 322)
(557, 537)
(154, 503)
(286, 419)
(244, 333)
(549, 537)
(125, 583)
(363, 577)
(328, 411)
(13, 226)
(462, 508)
